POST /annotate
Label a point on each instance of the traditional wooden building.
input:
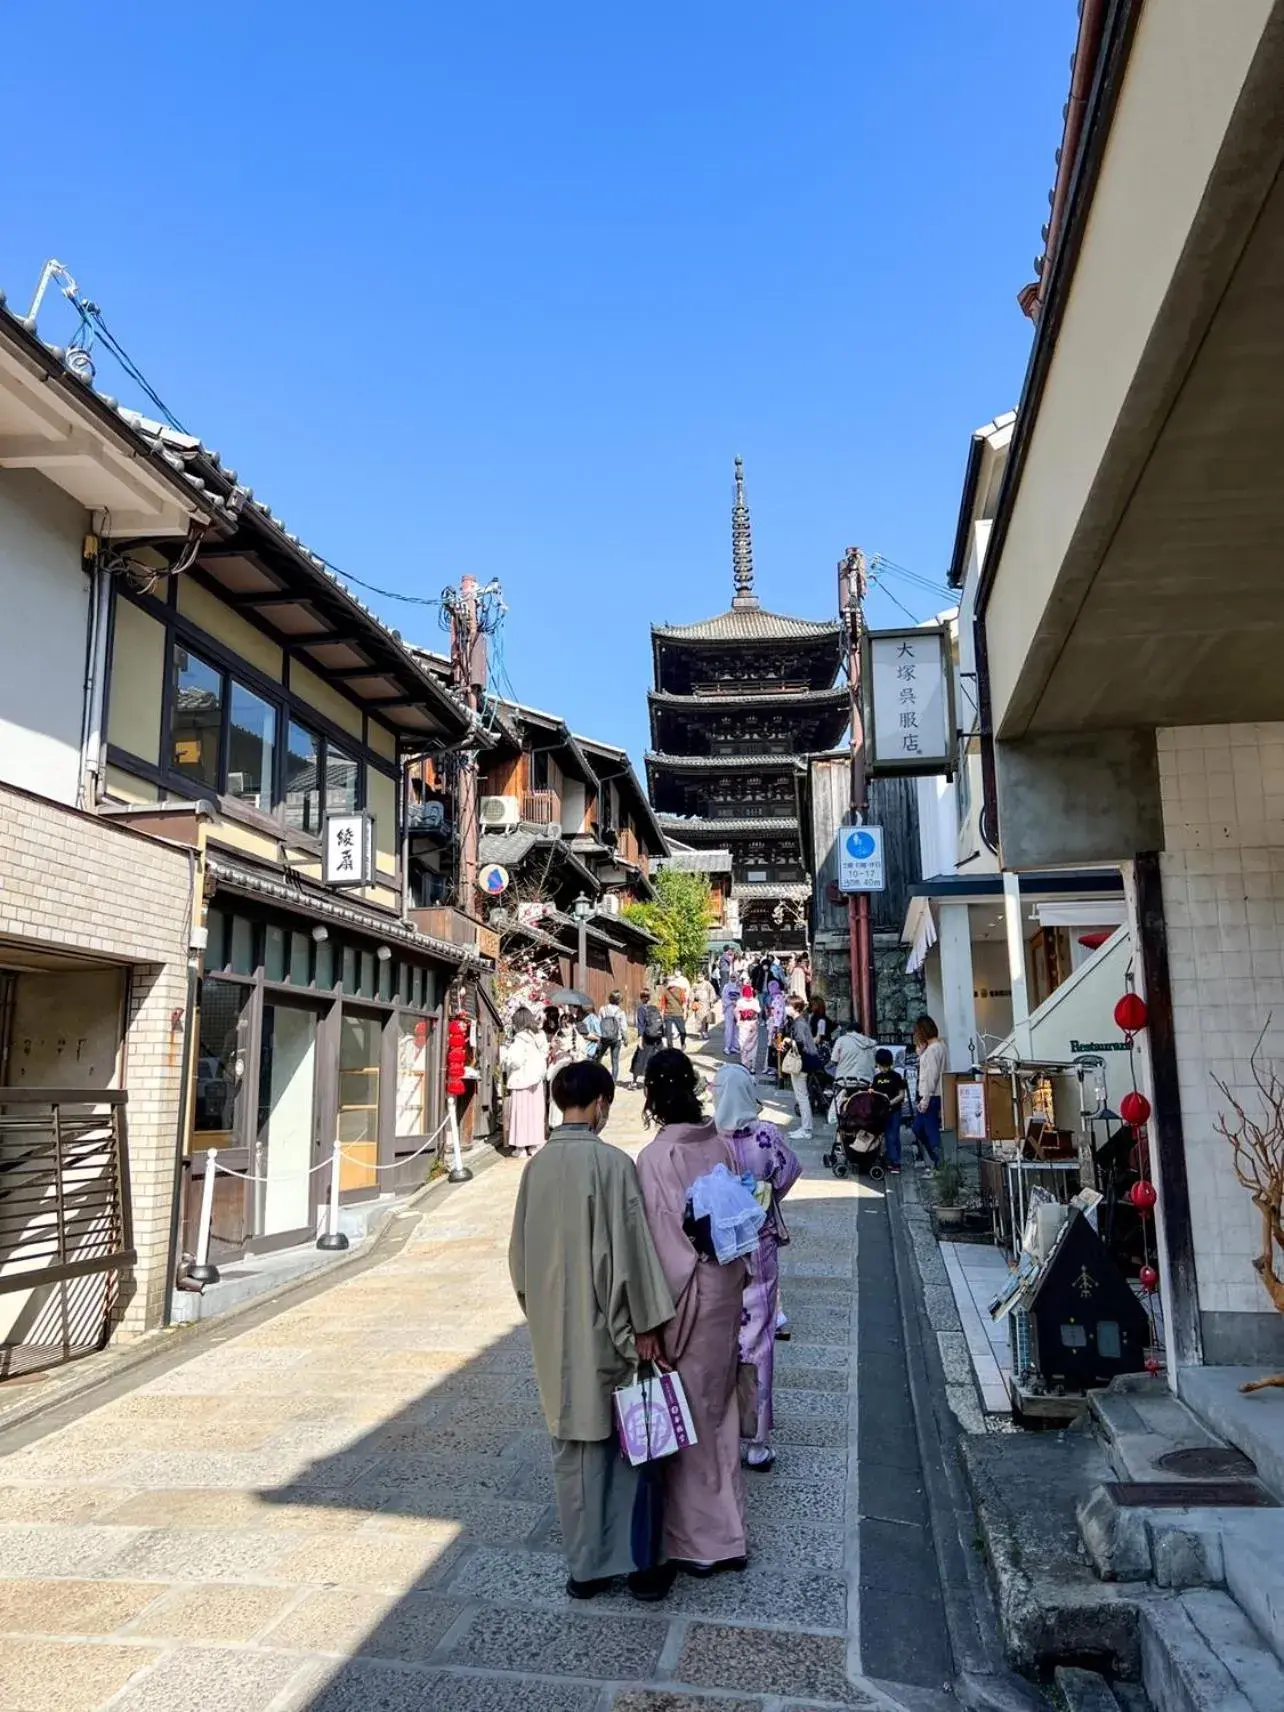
(739, 701)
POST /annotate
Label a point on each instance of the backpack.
(609, 1031)
(652, 1024)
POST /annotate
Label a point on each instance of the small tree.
(679, 918)
(1257, 1149)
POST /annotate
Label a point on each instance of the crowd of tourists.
(623, 1276)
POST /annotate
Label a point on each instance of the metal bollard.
(459, 1172)
(201, 1272)
(332, 1236)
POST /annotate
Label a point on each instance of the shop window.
(220, 1064)
(300, 974)
(196, 722)
(342, 781)
(241, 958)
(414, 1055)
(359, 1052)
(251, 747)
(303, 779)
(274, 953)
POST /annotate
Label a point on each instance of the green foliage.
(948, 1182)
(679, 918)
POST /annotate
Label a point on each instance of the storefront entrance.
(286, 1141)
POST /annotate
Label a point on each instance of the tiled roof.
(723, 763)
(747, 890)
(836, 697)
(677, 827)
(750, 624)
(697, 861)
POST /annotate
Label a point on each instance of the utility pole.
(468, 675)
(853, 585)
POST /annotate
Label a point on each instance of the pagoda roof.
(659, 762)
(746, 891)
(836, 697)
(697, 861)
(678, 826)
(751, 624)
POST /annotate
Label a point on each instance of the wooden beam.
(280, 598)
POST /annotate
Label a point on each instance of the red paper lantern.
(1149, 1279)
(1152, 1365)
(1131, 1014)
(1143, 1195)
(1134, 1109)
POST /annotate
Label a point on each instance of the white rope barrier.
(331, 1237)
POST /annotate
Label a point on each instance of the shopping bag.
(747, 1398)
(653, 1417)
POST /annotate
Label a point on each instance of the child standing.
(889, 1082)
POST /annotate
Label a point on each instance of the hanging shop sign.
(907, 679)
(492, 879)
(347, 843)
(860, 859)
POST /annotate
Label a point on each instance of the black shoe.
(652, 1585)
(587, 1589)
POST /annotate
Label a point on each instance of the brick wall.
(73, 881)
(1223, 882)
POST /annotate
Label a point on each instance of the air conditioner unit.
(610, 904)
(499, 811)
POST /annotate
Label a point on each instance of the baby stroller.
(861, 1119)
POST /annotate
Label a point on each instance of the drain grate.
(1190, 1494)
(1208, 1462)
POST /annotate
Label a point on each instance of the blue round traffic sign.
(861, 845)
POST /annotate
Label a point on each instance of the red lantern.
(1131, 1014)
(1149, 1279)
(1152, 1365)
(1134, 1109)
(1143, 1195)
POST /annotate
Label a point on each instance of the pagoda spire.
(741, 547)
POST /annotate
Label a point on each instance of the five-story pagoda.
(739, 701)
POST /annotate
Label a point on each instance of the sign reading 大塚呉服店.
(907, 682)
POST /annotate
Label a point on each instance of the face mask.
(601, 1112)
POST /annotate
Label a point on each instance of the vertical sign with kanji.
(908, 684)
(348, 845)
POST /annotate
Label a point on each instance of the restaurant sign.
(347, 844)
(907, 682)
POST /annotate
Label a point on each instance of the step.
(1140, 1421)
(1084, 1690)
(1253, 1423)
(1175, 1546)
(1252, 1547)
(1200, 1653)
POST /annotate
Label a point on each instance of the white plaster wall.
(1222, 788)
(1185, 72)
(44, 599)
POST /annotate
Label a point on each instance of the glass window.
(215, 944)
(274, 953)
(299, 971)
(325, 965)
(303, 779)
(367, 974)
(1074, 1337)
(403, 982)
(1109, 1343)
(341, 779)
(386, 971)
(220, 1064)
(417, 988)
(359, 1050)
(241, 959)
(251, 745)
(350, 969)
(196, 719)
(414, 1054)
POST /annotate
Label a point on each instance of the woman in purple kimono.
(761, 1152)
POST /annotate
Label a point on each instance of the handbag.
(653, 1417)
(791, 1059)
(747, 1399)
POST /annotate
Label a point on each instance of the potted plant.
(947, 1183)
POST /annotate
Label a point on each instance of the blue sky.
(502, 288)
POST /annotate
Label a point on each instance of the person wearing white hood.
(761, 1152)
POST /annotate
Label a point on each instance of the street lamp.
(582, 909)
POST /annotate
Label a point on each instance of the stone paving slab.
(347, 1508)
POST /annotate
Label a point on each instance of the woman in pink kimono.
(748, 1017)
(761, 1152)
(704, 1518)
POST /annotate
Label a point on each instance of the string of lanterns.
(1131, 1016)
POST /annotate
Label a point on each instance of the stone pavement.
(348, 1505)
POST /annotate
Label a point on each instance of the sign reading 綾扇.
(860, 859)
(907, 679)
(347, 844)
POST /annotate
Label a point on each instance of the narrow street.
(327, 1511)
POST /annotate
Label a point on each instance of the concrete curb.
(114, 1372)
(984, 1681)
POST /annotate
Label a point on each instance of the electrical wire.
(884, 590)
